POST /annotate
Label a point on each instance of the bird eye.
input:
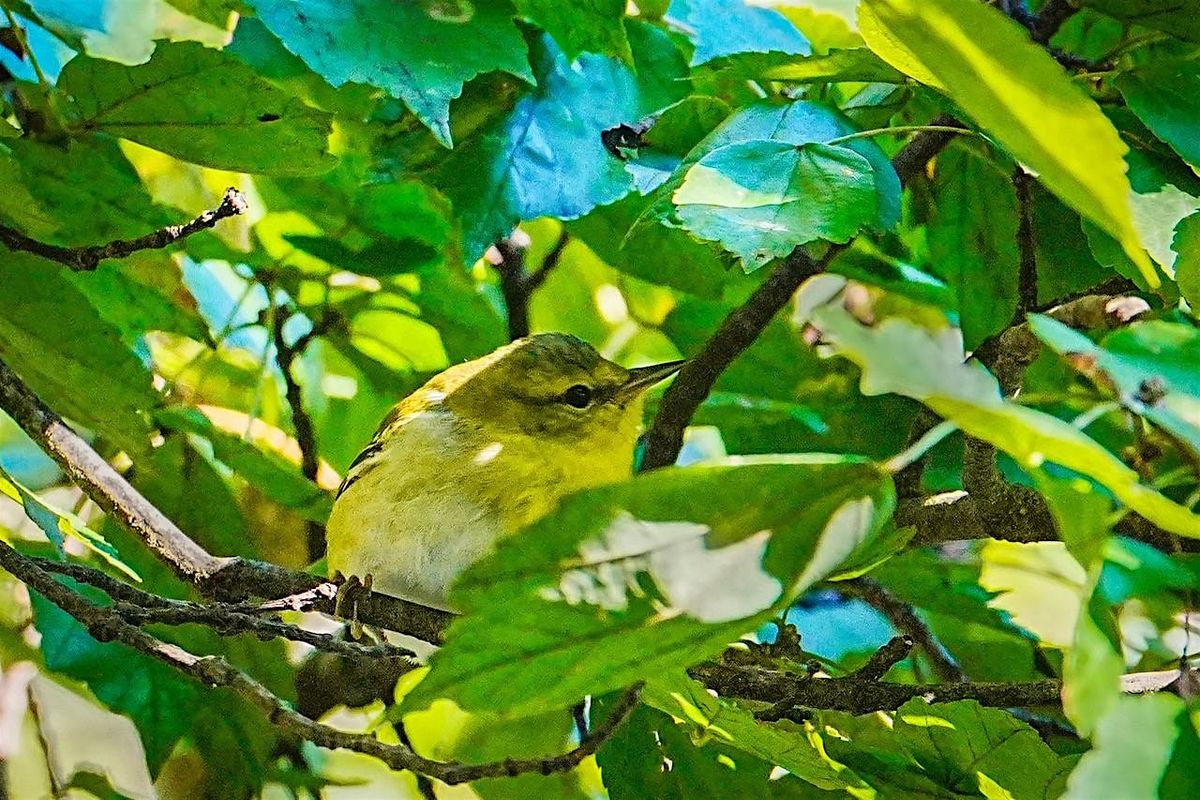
(578, 396)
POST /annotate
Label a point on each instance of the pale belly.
(414, 544)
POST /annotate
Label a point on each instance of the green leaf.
(142, 293)
(267, 472)
(58, 525)
(1166, 96)
(1134, 743)
(1187, 263)
(968, 747)
(857, 64)
(594, 26)
(501, 176)
(87, 190)
(897, 356)
(379, 259)
(1155, 367)
(1020, 96)
(624, 581)
(1170, 16)
(709, 717)
(82, 370)
(796, 123)
(728, 27)
(761, 199)
(973, 241)
(420, 53)
(203, 106)
(958, 750)
(147, 691)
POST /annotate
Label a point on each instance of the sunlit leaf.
(658, 572)
(1019, 95)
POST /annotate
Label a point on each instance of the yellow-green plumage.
(478, 453)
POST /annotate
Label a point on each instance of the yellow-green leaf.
(1019, 94)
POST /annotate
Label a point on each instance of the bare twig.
(745, 323)
(886, 657)
(904, 619)
(539, 275)
(106, 624)
(87, 258)
(511, 268)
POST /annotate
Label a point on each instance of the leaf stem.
(920, 446)
(901, 129)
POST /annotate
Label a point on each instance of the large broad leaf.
(201, 105)
(1154, 366)
(1145, 746)
(627, 580)
(416, 52)
(1019, 95)
(147, 691)
(795, 123)
(973, 241)
(958, 749)
(266, 471)
(82, 369)
(709, 717)
(1166, 96)
(897, 356)
(728, 27)
(546, 158)
(58, 525)
(763, 198)
(85, 192)
(595, 26)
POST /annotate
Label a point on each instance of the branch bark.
(107, 624)
(87, 258)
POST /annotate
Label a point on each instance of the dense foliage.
(930, 531)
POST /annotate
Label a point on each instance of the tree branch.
(745, 323)
(223, 577)
(106, 624)
(904, 619)
(861, 696)
(87, 258)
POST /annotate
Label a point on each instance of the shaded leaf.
(858, 64)
(380, 259)
(594, 26)
(203, 106)
(1166, 96)
(552, 139)
(728, 27)
(973, 241)
(413, 51)
(83, 370)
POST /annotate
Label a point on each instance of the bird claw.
(345, 604)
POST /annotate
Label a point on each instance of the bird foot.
(350, 592)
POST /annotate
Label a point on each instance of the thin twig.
(745, 323)
(87, 258)
(886, 657)
(904, 619)
(106, 624)
(539, 275)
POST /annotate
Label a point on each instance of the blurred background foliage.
(387, 147)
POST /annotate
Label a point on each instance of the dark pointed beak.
(642, 378)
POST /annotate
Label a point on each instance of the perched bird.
(478, 453)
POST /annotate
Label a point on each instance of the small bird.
(479, 452)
